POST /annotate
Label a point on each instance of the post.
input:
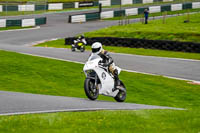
(188, 15)
(121, 19)
(100, 8)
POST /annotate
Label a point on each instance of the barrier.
(107, 14)
(92, 16)
(26, 7)
(176, 7)
(1, 8)
(142, 43)
(41, 7)
(78, 18)
(57, 6)
(61, 6)
(68, 5)
(127, 2)
(22, 22)
(2, 22)
(105, 2)
(147, 1)
(10, 8)
(154, 9)
(131, 11)
(115, 2)
(40, 21)
(28, 22)
(136, 11)
(165, 8)
(195, 5)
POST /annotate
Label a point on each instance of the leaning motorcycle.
(78, 45)
(99, 81)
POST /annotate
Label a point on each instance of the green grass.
(139, 121)
(154, 14)
(174, 29)
(46, 76)
(14, 28)
(136, 51)
(37, 75)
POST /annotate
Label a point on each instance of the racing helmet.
(81, 37)
(96, 47)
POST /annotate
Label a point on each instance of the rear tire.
(121, 96)
(90, 90)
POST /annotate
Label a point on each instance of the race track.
(57, 27)
(13, 103)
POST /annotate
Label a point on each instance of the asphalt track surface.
(57, 27)
(13, 103)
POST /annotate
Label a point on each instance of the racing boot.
(117, 81)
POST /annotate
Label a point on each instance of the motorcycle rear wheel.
(90, 90)
(121, 96)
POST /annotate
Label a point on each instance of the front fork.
(96, 81)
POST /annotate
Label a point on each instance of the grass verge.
(136, 51)
(173, 29)
(14, 28)
(139, 121)
(38, 75)
(155, 14)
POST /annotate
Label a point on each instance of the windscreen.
(93, 57)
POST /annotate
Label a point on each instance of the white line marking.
(52, 58)
(42, 41)
(37, 27)
(157, 57)
(53, 111)
(160, 75)
(88, 109)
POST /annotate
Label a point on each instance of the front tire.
(82, 49)
(121, 96)
(73, 48)
(90, 90)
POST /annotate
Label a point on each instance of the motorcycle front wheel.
(73, 48)
(82, 49)
(91, 90)
(121, 96)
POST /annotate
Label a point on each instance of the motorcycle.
(78, 45)
(99, 81)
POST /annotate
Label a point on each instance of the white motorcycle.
(100, 81)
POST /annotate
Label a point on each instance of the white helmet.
(96, 47)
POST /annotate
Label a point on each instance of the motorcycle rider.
(80, 39)
(106, 62)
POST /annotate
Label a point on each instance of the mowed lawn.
(174, 29)
(14, 28)
(24, 73)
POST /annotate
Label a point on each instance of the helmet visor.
(94, 50)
